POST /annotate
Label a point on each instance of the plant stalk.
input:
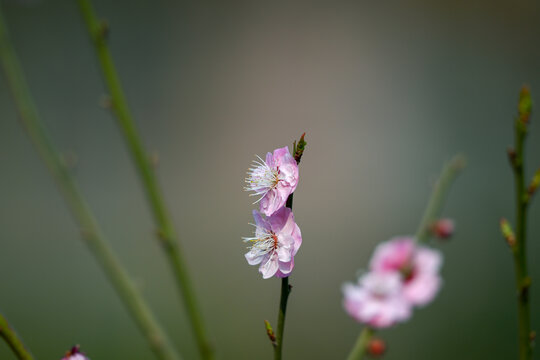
(90, 229)
(360, 347)
(98, 32)
(298, 151)
(440, 190)
(519, 248)
(14, 342)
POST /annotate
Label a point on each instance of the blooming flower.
(418, 265)
(273, 180)
(377, 299)
(75, 354)
(276, 241)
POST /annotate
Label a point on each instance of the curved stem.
(14, 342)
(359, 349)
(438, 195)
(98, 32)
(90, 229)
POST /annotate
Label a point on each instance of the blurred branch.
(360, 347)
(11, 338)
(90, 230)
(98, 31)
(438, 195)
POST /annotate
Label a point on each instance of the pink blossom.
(273, 180)
(377, 300)
(276, 242)
(418, 265)
(75, 354)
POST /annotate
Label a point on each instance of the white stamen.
(261, 178)
(262, 244)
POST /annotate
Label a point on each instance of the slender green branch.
(90, 230)
(98, 33)
(360, 347)
(519, 249)
(284, 297)
(440, 190)
(285, 291)
(14, 342)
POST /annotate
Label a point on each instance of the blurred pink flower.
(276, 242)
(418, 265)
(377, 300)
(273, 180)
(75, 354)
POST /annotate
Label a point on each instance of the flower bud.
(443, 228)
(376, 347)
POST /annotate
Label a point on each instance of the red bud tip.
(376, 347)
(443, 228)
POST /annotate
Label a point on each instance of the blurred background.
(386, 92)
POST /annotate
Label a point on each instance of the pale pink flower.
(377, 300)
(75, 354)
(273, 180)
(418, 265)
(276, 241)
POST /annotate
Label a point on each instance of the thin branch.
(449, 173)
(360, 347)
(167, 235)
(519, 248)
(13, 340)
(90, 229)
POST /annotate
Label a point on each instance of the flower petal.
(269, 268)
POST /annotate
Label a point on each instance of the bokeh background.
(387, 92)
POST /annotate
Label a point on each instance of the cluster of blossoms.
(277, 238)
(402, 275)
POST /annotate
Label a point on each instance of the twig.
(98, 32)
(90, 230)
(14, 342)
(518, 246)
(438, 195)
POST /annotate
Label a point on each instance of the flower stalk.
(14, 341)
(298, 151)
(98, 31)
(90, 229)
(519, 240)
(440, 190)
(360, 347)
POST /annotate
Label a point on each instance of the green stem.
(285, 291)
(519, 248)
(98, 32)
(90, 229)
(14, 342)
(359, 349)
(438, 195)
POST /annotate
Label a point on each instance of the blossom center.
(265, 242)
(261, 178)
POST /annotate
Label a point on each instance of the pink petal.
(269, 268)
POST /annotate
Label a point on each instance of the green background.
(387, 91)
